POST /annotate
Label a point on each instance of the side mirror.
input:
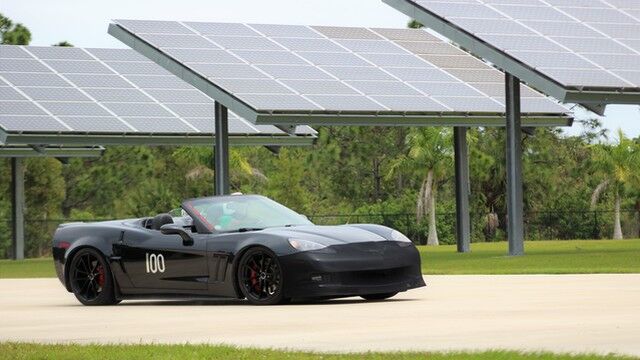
(172, 229)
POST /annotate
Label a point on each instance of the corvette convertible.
(239, 246)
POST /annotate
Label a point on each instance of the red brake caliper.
(101, 276)
(253, 277)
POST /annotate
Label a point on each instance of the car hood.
(327, 235)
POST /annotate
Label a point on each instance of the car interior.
(156, 222)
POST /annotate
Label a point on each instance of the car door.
(163, 262)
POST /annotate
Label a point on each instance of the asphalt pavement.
(560, 313)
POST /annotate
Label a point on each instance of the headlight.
(398, 236)
(305, 245)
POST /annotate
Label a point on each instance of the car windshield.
(243, 213)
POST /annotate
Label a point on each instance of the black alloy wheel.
(90, 278)
(260, 277)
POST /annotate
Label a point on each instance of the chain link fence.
(543, 225)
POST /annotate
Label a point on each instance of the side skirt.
(133, 294)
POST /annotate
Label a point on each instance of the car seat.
(161, 219)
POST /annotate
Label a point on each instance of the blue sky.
(84, 23)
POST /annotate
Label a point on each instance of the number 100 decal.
(155, 263)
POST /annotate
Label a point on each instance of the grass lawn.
(31, 268)
(542, 257)
(33, 351)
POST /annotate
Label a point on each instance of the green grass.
(89, 352)
(542, 257)
(31, 268)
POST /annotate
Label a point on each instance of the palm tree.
(618, 164)
(201, 160)
(429, 155)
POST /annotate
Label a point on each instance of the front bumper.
(352, 270)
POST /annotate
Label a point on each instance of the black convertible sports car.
(241, 246)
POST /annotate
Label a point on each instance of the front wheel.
(90, 278)
(383, 296)
(260, 277)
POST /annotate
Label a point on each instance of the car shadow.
(239, 302)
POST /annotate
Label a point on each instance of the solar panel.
(117, 95)
(54, 94)
(20, 108)
(332, 58)
(30, 123)
(319, 87)
(136, 68)
(288, 73)
(384, 88)
(8, 93)
(103, 124)
(589, 49)
(22, 65)
(74, 108)
(61, 90)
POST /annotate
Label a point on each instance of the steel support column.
(221, 150)
(515, 223)
(17, 208)
(463, 221)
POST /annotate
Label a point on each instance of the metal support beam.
(17, 208)
(289, 129)
(598, 109)
(21, 151)
(515, 223)
(463, 221)
(75, 140)
(38, 148)
(221, 150)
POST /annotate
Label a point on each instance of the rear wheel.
(378, 296)
(90, 278)
(260, 277)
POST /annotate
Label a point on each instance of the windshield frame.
(204, 226)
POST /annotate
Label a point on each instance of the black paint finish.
(358, 260)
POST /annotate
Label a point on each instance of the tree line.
(402, 177)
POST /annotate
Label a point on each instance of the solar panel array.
(579, 43)
(320, 69)
(75, 90)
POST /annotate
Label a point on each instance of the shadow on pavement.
(241, 302)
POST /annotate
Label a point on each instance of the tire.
(90, 278)
(260, 277)
(373, 297)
